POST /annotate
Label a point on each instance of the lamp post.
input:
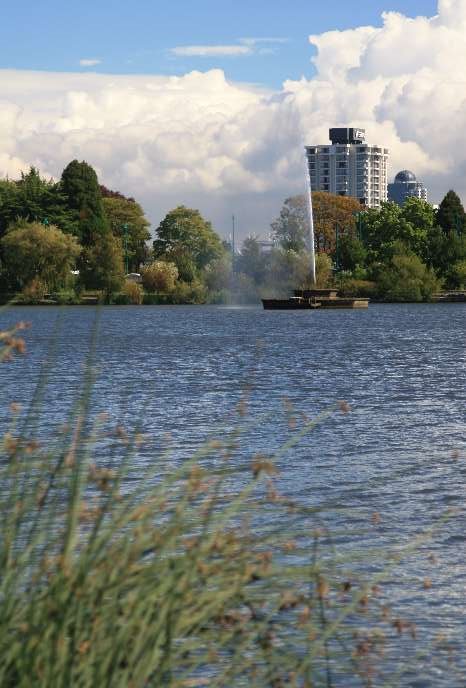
(125, 244)
(233, 247)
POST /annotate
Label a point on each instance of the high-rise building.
(349, 167)
(404, 186)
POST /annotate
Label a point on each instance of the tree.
(34, 199)
(450, 215)
(406, 278)
(330, 212)
(252, 261)
(126, 218)
(290, 228)
(186, 239)
(217, 274)
(102, 264)
(323, 270)
(159, 276)
(457, 275)
(33, 251)
(351, 252)
(385, 227)
(81, 187)
(286, 270)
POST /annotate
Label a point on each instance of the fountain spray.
(310, 233)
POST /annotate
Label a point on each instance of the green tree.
(81, 187)
(450, 215)
(290, 228)
(33, 251)
(352, 253)
(385, 227)
(286, 270)
(121, 211)
(323, 270)
(217, 274)
(102, 264)
(34, 199)
(160, 276)
(444, 251)
(186, 239)
(406, 277)
(252, 261)
(457, 275)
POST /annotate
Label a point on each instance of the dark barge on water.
(308, 299)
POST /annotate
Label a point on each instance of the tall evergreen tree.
(450, 215)
(80, 185)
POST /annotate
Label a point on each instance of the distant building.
(405, 186)
(349, 167)
(265, 245)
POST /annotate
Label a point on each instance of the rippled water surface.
(400, 453)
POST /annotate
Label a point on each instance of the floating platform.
(309, 299)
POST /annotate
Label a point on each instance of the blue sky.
(138, 37)
(206, 139)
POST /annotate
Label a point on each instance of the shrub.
(33, 251)
(157, 299)
(190, 293)
(222, 296)
(457, 275)
(217, 274)
(245, 289)
(102, 266)
(406, 278)
(133, 293)
(66, 297)
(323, 270)
(160, 276)
(352, 287)
(34, 292)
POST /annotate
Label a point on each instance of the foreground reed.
(203, 575)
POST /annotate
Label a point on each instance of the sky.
(209, 104)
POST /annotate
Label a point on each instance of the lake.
(399, 454)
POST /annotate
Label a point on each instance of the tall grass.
(204, 575)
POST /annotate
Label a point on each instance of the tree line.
(74, 235)
(393, 253)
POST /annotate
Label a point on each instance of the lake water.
(400, 453)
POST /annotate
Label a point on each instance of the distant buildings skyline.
(406, 186)
(349, 166)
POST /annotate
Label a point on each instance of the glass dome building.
(405, 186)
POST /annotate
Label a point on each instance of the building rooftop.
(405, 176)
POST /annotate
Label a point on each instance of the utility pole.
(125, 243)
(337, 247)
(233, 247)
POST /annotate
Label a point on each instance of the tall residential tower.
(349, 167)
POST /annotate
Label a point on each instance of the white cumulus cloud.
(211, 50)
(226, 147)
(89, 62)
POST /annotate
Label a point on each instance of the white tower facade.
(349, 166)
